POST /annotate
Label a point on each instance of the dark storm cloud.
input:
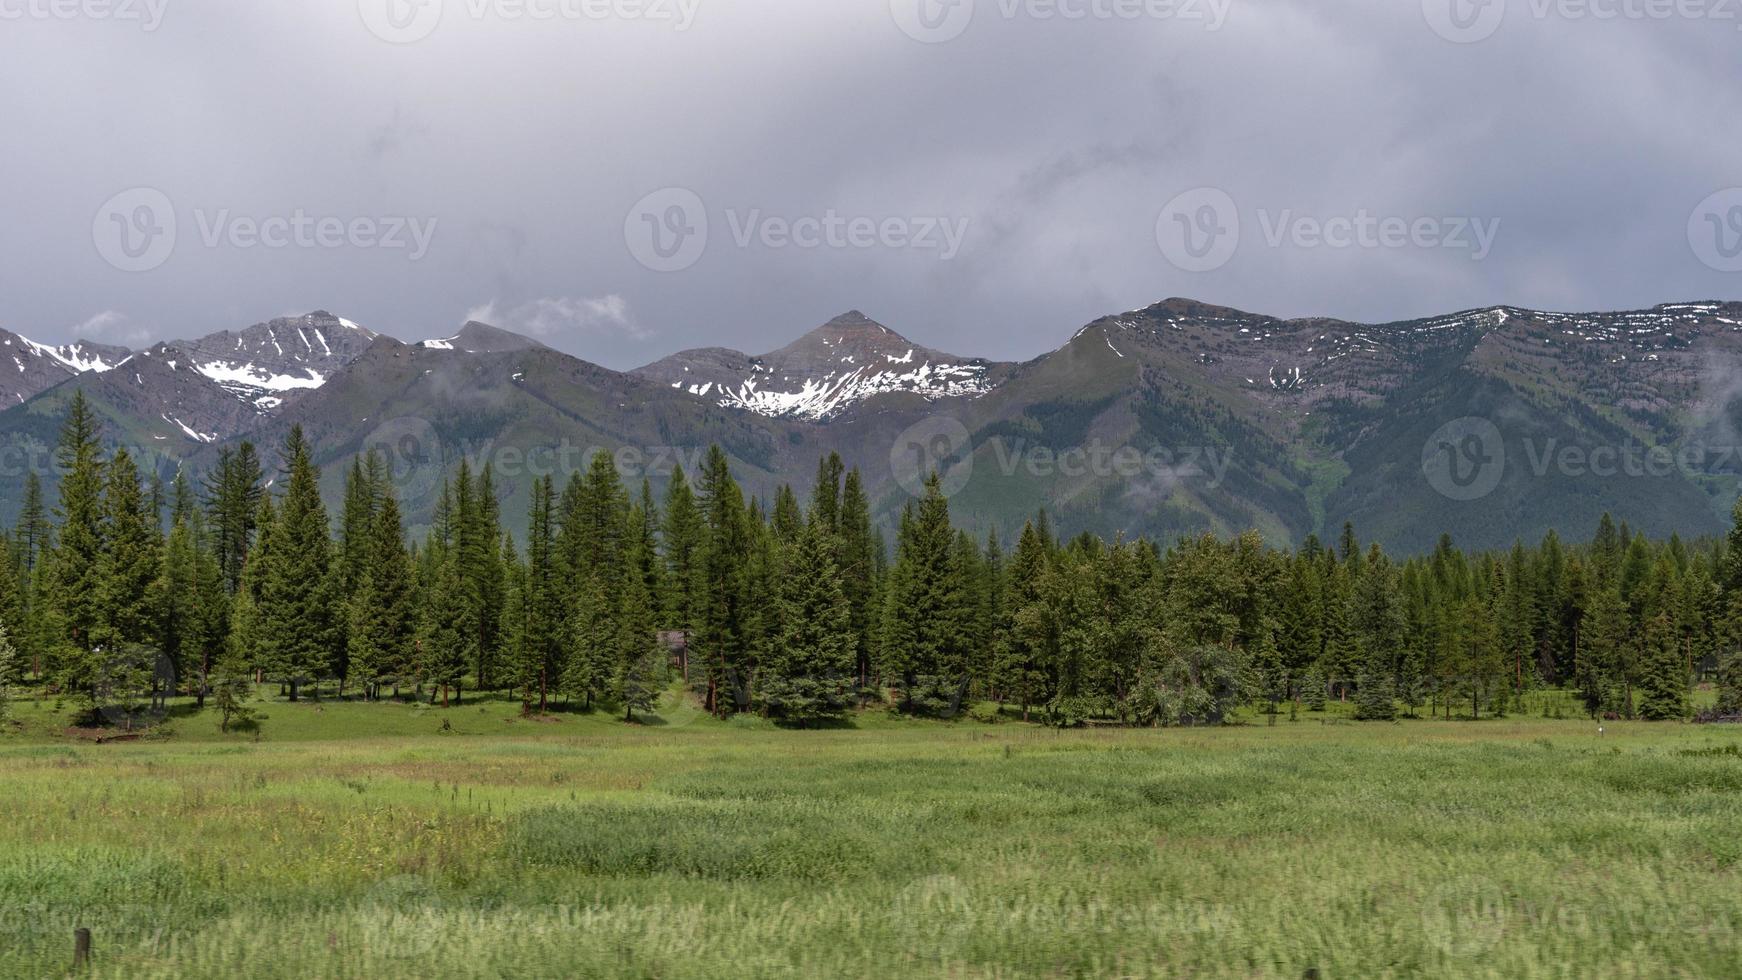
(304, 147)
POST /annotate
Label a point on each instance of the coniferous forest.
(123, 592)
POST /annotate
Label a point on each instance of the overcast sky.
(628, 177)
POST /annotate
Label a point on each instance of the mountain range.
(1184, 417)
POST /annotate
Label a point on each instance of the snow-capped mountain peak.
(28, 367)
(264, 363)
(823, 373)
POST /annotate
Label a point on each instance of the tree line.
(129, 590)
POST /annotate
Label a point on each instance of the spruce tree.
(860, 560)
(74, 580)
(33, 533)
(722, 639)
(809, 673)
(297, 607)
(640, 667)
(1022, 642)
(129, 562)
(925, 652)
(684, 536)
(593, 644)
(542, 602)
(1663, 683)
(233, 495)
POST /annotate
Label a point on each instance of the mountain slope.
(28, 368)
(848, 360)
(1181, 418)
(528, 413)
(270, 362)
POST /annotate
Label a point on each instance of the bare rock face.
(28, 368)
(270, 362)
(842, 363)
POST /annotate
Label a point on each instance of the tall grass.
(1516, 848)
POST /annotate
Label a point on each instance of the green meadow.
(352, 840)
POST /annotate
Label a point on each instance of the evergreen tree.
(128, 564)
(448, 637)
(593, 644)
(809, 673)
(1663, 686)
(383, 610)
(640, 667)
(296, 606)
(722, 638)
(32, 534)
(925, 653)
(1023, 639)
(542, 602)
(74, 575)
(684, 536)
(233, 495)
(860, 555)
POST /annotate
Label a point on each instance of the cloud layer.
(310, 152)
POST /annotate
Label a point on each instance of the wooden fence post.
(81, 947)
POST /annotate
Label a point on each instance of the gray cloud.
(527, 142)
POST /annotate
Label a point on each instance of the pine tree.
(1023, 641)
(231, 679)
(297, 607)
(640, 667)
(809, 673)
(128, 565)
(233, 495)
(593, 644)
(74, 574)
(722, 636)
(860, 556)
(924, 650)
(1730, 684)
(542, 602)
(33, 533)
(1663, 685)
(684, 536)
(383, 610)
(1314, 688)
(447, 637)
(12, 602)
(1375, 698)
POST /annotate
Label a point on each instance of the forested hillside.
(125, 591)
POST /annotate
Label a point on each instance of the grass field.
(688, 847)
